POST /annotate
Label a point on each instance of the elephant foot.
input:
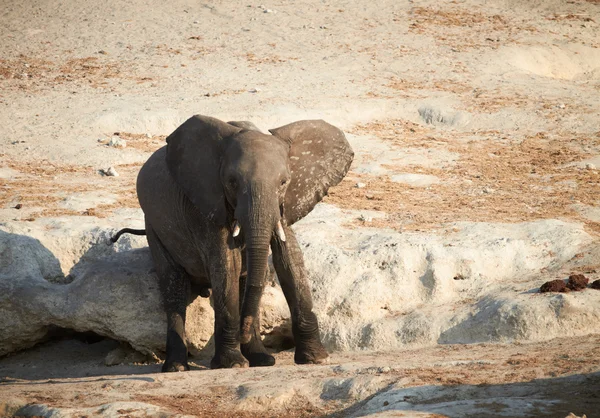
(258, 357)
(311, 353)
(227, 359)
(174, 366)
(256, 352)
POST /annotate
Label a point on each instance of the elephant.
(217, 200)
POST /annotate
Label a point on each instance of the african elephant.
(216, 199)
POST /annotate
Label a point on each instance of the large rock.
(60, 273)
(372, 288)
(474, 282)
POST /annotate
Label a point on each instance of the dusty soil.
(518, 137)
(564, 373)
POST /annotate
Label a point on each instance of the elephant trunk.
(258, 224)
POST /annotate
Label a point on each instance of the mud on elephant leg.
(175, 290)
(224, 273)
(289, 265)
(255, 351)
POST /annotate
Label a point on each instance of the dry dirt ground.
(458, 110)
(550, 379)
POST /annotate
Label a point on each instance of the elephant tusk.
(236, 229)
(280, 232)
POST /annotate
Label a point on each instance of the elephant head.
(242, 179)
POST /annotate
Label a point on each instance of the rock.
(373, 289)
(590, 166)
(281, 337)
(554, 286)
(365, 218)
(124, 354)
(112, 290)
(254, 90)
(441, 116)
(595, 284)
(117, 142)
(360, 185)
(114, 409)
(378, 289)
(577, 282)
(110, 172)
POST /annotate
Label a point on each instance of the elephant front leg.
(289, 265)
(224, 277)
(254, 350)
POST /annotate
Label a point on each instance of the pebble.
(117, 142)
(487, 190)
(254, 90)
(110, 171)
(365, 218)
(360, 185)
(590, 166)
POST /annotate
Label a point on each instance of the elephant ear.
(194, 153)
(320, 157)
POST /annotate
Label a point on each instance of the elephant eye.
(232, 183)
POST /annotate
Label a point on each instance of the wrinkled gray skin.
(210, 175)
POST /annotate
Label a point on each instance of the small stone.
(595, 284)
(360, 185)
(18, 206)
(488, 190)
(254, 90)
(577, 282)
(369, 196)
(590, 166)
(364, 218)
(269, 11)
(385, 403)
(561, 106)
(554, 286)
(117, 142)
(102, 52)
(110, 172)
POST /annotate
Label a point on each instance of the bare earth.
(457, 111)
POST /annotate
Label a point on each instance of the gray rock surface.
(373, 289)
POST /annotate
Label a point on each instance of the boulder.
(373, 289)
(61, 273)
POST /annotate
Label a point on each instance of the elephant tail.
(127, 231)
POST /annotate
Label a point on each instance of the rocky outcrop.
(372, 288)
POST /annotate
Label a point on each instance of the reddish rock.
(577, 282)
(554, 286)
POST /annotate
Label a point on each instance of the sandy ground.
(457, 111)
(550, 379)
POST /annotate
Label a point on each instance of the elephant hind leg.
(174, 285)
(254, 351)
